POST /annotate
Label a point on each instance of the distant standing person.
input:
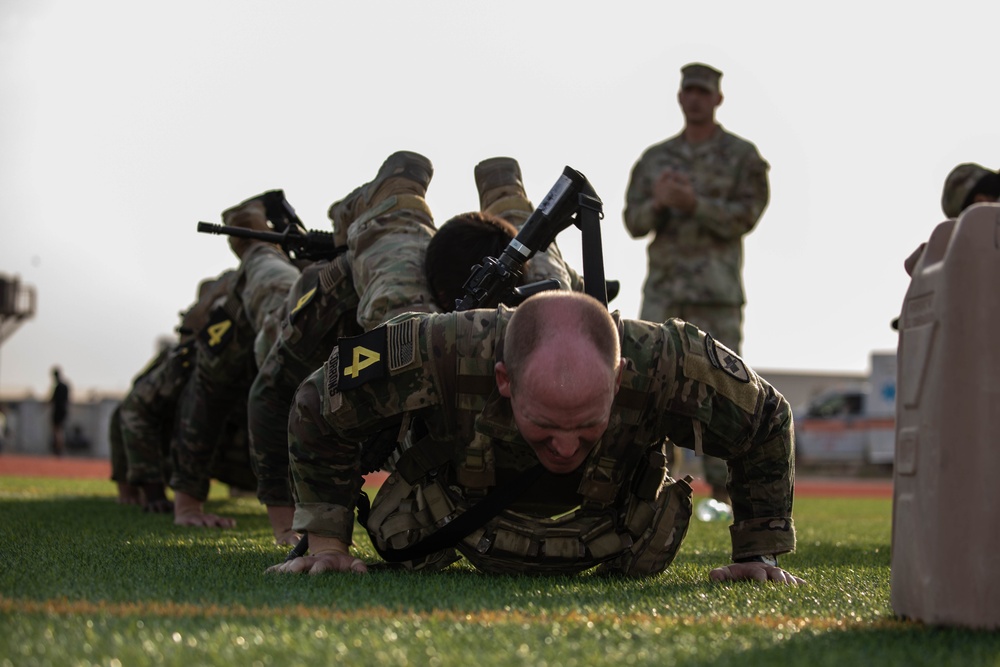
(698, 193)
(60, 410)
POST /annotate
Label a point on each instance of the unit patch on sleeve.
(218, 331)
(302, 303)
(725, 359)
(361, 358)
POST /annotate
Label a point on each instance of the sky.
(124, 123)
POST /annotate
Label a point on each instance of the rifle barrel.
(240, 232)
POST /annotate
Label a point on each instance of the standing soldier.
(60, 410)
(698, 193)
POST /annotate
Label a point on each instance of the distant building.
(27, 426)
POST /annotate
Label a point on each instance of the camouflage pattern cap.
(958, 185)
(700, 75)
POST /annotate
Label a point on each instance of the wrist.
(327, 545)
(185, 503)
(768, 559)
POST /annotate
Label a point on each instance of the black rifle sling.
(589, 217)
(452, 532)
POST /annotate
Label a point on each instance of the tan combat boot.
(250, 214)
(404, 174)
(501, 190)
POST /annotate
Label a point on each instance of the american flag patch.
(402, 346)
(333, 371)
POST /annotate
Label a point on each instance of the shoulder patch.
(218, 331)
(402, 344)
(361, 359)
(726, 360)
(302, 302)
(333, 372)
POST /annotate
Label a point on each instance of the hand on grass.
(327, 561)
(188, 512)
(754, 572)
(128, 494)
(327, 554)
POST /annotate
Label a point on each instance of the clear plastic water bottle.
(711, 509)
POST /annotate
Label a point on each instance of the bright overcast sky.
(122, 124)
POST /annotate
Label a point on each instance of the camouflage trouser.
(724, 323)
(387, 246)
(262, 283)
(231, 464)
(321, 308)
(148, 415)
(386, 250)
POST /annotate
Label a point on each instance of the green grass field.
(84, 581)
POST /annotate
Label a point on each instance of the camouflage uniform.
(225, 367)
(116, 442)
(437, 371)
(696, 260)
(146, 414)
(321, 308)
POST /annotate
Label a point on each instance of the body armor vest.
(632, 515)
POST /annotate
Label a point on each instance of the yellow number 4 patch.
(303, 300)
(217, 331)
(361, 358)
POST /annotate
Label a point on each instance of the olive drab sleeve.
(264, 278)
(712, 402)
(366, 386)
(640, 214)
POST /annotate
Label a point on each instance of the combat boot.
(404, 174)
(501, 190)
(250, 214)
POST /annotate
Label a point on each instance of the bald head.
(561, 326)
(561, 371)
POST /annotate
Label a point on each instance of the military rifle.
(289, 231)
(311, 245)
(571, 200)
(279, 211)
